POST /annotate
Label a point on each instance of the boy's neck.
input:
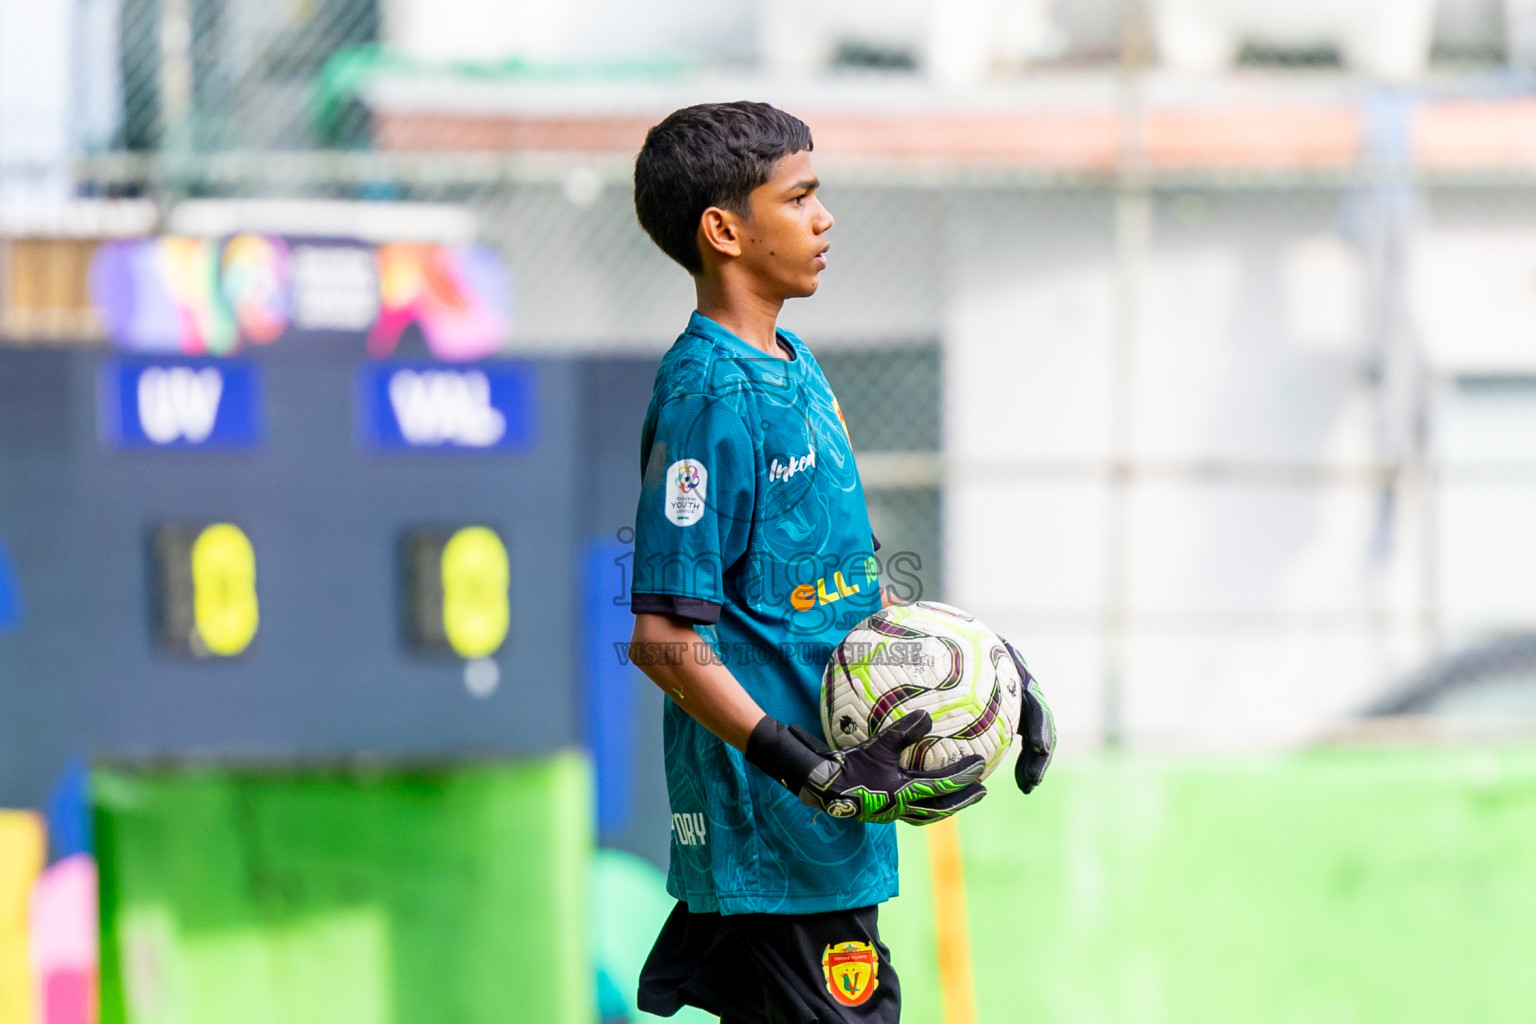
(751, 317)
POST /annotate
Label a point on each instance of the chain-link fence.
(200, 76)
(1229, 436)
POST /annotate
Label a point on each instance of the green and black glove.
(867, 782)
(1037, 729)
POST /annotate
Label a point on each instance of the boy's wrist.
(772, 747)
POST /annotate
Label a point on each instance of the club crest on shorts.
(850, 969)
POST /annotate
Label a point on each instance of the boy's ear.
(720, 230)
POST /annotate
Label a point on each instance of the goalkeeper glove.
(867, 782)
(1037, 729)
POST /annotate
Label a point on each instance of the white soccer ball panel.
(923, 657)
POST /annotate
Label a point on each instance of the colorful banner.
(204, 404)
(198, 296)
(424, 406)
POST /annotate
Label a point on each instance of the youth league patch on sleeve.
(687, 484)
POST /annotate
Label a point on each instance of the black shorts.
(773, 968)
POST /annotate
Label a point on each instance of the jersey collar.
(704, 327)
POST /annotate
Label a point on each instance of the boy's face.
(783, 242)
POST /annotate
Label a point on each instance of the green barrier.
(909, 929)
(1347, 886)
(1361, 887)
(389, 897)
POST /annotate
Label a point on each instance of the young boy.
(752, 534)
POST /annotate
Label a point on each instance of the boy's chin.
(807, 288)
(795, 288)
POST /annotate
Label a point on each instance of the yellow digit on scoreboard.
(225, 611)
(456, 590)
(476, 575)
(205, 589)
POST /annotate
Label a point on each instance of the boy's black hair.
(713, 154)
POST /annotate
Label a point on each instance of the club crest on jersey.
(850, 969)
(687, 484)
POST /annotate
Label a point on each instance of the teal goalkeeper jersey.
(752, 523)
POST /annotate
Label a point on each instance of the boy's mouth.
(821, 258)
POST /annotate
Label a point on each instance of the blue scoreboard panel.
(307, 553)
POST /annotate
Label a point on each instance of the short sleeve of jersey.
(696, 499)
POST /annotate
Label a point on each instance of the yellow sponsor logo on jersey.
(809, 595)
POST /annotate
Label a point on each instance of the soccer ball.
(928, 657)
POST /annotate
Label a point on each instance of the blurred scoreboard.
(303, 551)
(453, 583)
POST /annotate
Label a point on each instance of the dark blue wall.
(637, 818)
